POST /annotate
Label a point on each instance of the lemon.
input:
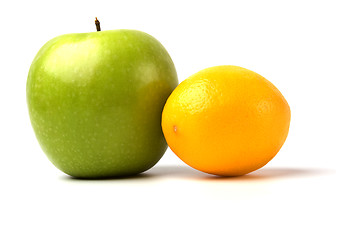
(226, 121)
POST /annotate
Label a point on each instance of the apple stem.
(97, 23)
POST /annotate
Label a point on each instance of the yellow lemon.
(226, 120)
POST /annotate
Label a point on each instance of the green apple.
(95, 101)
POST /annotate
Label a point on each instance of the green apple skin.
(95, 102)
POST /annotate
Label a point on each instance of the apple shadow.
(139, 176)
(261, 174)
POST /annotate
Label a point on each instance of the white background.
(308, 49)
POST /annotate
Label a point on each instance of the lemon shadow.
(265, 173)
